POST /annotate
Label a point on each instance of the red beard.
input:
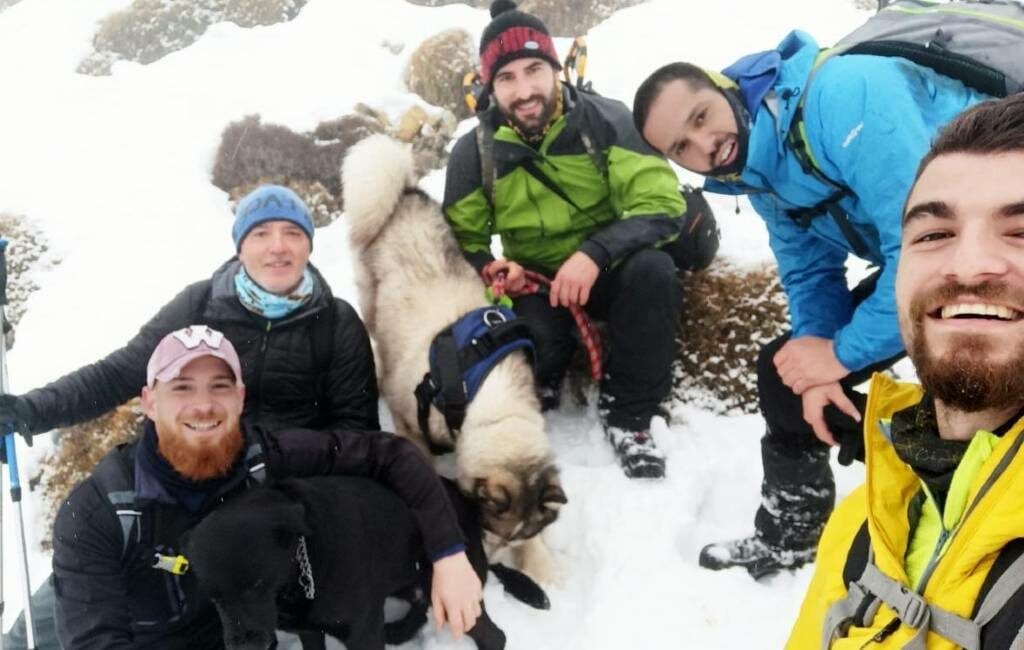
(200, 461)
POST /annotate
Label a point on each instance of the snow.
(115, 170)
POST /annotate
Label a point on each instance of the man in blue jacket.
(866, 122)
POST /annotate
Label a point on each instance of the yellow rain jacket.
(953, 551)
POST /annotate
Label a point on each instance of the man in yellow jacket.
(928, 553)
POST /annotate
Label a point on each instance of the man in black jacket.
(306, 357)
(192, 455)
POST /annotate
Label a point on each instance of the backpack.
(978, 42)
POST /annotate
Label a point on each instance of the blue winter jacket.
(869, 120)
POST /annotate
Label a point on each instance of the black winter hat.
(513, 34)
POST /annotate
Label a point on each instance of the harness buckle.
(176, 564)
(492, 318)
(914, 609)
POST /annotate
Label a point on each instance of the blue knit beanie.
(270, 203)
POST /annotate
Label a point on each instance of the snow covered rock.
(436, 69)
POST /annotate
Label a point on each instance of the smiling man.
(936, 530)
(574, 193)
(305, 354)
(193, 454)
(825, 153)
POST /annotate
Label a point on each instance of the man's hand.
(515, 277)
(574, 280)
(808, 361)
(815, 400)
(14, 413)
(456, 593)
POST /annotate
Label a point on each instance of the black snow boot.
(637, 453)
(755, 555)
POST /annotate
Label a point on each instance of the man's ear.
(147, 399)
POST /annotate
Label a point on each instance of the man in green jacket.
(574, 193)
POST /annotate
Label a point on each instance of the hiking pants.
(640, 299)
(798, 490)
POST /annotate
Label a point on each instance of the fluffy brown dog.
(413, 282)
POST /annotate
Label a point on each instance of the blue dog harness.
(461, 357)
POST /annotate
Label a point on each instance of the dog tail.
(376, 172)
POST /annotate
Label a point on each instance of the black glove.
(697, 244)
(15, 411)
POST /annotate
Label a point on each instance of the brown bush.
(78, 450)
(436, 69)
(252, 154)
(728, 315)
(26, 255)
(148, 30)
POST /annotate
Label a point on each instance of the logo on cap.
(531, 45)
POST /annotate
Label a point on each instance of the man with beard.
(305, 354)
(194, 453)
(935, 531)
(565, 180)
(864, 124)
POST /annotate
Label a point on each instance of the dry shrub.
(27, 254)
(253, 154)
(78, 450)
(436, 69)
(728, 315)
(148, 30)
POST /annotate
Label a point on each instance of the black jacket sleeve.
(94, 389)
(91, 608)
(384, 457)
(351, 390)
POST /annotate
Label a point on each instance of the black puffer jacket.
(289, 381)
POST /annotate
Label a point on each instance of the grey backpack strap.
(914, 611)
(1009, 583)
(128, 516)
(857, 608)
(485, 149)
(255, 463)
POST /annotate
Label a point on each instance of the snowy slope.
(115, 170)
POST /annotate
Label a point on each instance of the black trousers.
(640, 300)
(798, 490)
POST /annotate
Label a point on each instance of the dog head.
(243, 554)
(517, 503)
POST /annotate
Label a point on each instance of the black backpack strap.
(803, 216)
(485, 150)
(531, 168)
(115, 477)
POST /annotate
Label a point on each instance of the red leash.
(535, 283)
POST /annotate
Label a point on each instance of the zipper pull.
(884, 633)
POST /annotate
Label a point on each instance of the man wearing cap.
(194, 453)
(826, 161)
(575, 194)
(305, 355)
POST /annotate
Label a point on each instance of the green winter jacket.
(635, 205)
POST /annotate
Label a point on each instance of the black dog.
(320, 555)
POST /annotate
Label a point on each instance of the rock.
(562, 17)
(148, 30)
(436, 69)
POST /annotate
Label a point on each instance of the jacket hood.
(783, 72)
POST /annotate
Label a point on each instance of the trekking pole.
(12, 460)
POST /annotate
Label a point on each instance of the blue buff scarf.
(272, 306)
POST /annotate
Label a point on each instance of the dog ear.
(553, 494)
(496, 501)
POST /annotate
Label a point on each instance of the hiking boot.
(637, 453)
(752, 553)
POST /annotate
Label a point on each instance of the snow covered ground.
(115, 170)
